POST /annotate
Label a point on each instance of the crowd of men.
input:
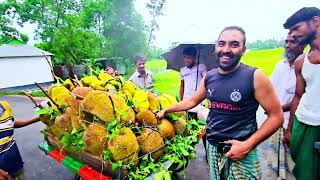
(234, 90)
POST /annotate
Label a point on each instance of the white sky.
(201, 20)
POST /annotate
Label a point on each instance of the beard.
(290, 56)
(308, 39)
(233, 61)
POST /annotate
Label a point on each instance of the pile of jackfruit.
(113, 116)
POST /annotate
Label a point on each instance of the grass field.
(168, 81)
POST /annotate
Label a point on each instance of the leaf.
(44, 111)
(107, 155)
(202, 122)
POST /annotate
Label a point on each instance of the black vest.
(232, 105)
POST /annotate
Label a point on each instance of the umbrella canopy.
(205, 53)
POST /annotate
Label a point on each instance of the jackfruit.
(180, 126)
(75, 122)
(59, 94)
(124, 146)
(68, 84)
(89, 80)
(154, 105)
(130, 87)
(95, 138)
(74, 104)
(151, 141)
(98, 103)
(103, 76)
(63, 124)
(82, 91)
(146, 117)
(125, 95)
(166, 129)
(166, 101)
(140, 100)
(107, 107)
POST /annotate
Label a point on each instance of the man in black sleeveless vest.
(235, 91)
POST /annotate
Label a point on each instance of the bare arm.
(181, 90)
(25, 122)
(300, 89)
(265, 95)
(184, 105)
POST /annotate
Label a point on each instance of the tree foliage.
(81, 29)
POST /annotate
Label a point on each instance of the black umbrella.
(205, 56)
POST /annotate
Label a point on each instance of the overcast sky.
(202, 20)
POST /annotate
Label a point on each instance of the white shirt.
(309, 105)
(189, 76)
(283, 79)
(141, 81)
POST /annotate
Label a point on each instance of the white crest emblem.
(235, 96)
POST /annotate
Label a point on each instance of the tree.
(155, 9)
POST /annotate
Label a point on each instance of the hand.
(239, 149)
(4, 175)
(286, 138)
(161, 114)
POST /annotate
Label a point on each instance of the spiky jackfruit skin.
(124, 146)
(149, 141)
(98, 103)
(166, 101)
(107, 107)
(59, 94)
(62, 124)
(140, 100)
(130, 87)
(68, 84)
(75, 122)
(180, 126)
(95, 138)
(81, 91)
(166, 129)
(88, 80)
(146, 117)
(125, 95)
(154, 105)
(103, 76)
(124, 112)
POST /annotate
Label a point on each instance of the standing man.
(190, 80)
(304, 122)
(283, 79)
(142, 78)
(235, 91)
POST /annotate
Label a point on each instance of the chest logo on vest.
(235, 96)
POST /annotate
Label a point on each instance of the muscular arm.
(300, 89)
(184, 105)
(25, 122)
(265, 95)
(181, 90)
(267, 98)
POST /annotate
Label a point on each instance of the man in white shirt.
(142, 78)
(190, 74)
(283, 78)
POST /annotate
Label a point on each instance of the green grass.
(263, 59)
(156, 65)
(169, 81)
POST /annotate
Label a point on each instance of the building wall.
(21, 71)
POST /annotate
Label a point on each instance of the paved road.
(38, 166)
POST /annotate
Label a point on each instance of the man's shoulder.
(202, 66)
